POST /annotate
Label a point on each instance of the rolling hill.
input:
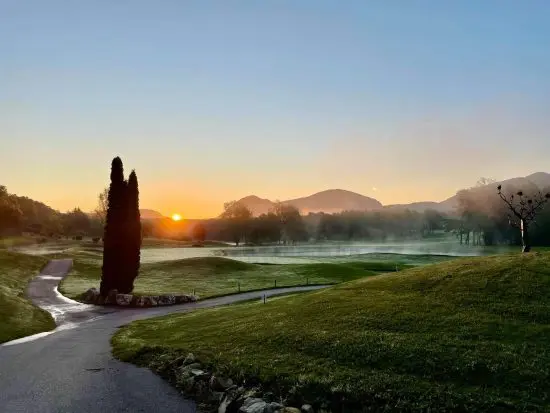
(330, 201)
(537, 181)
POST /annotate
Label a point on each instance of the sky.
(210, 101)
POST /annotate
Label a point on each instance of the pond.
(308, 253)
(304, 253)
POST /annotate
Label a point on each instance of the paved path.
(71, 370)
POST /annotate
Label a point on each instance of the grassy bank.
(464, 335)
(210, 276)
(18, 317)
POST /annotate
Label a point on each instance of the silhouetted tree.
(133, 236)
(199, 232)
(265, 228)
(115, 234)
(292, 227)
(237, 217)
(76, 222)
(523, 211)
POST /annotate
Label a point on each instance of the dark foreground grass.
(461, 336)
(212, 276)
(18, 317)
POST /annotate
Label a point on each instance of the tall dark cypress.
(133, 234)
(113, 238)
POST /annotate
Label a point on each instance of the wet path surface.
(71, 369)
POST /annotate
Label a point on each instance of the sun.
(176, 217)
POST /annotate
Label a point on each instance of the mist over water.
(304, 253)
(307, 253)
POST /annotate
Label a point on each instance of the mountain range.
(338, 200)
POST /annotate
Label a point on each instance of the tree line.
(490, 214)
(284, 225)
(20, 214)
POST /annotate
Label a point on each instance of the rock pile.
(223, 393)
(92, 296)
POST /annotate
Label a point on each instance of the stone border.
(92, 296)
(221, 394)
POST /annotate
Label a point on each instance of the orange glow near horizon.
(176, 217)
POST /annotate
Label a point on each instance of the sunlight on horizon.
(176, 217)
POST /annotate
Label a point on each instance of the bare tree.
(102, 204)
(523, 211)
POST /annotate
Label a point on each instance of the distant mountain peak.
(337, 200)
(253, 198)
(329, 201)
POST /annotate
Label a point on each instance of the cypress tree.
(133, 235)
(113, 238)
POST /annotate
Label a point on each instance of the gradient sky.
(214, 100)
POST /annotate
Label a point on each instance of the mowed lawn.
(211, 276)
(467, 335)
(18, 317)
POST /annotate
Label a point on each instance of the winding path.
(71, 369)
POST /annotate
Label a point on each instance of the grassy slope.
(18, 317)
(210, 276)
(464, 335)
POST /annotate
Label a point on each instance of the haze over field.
(213, 101)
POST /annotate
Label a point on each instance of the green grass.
(17, 241)
(391, 260)
(18, 317)
(211, 276)
(466, 335)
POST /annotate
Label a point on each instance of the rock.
(199, 374)
(252, 393)
(184, 298)
(290, 410)
(216, 396)
(124, 299)
(166, 300)
(306, 408)
(219, 383)
(111, 297)
(231, 400)
(274, 406)
(142, 302)
(254, 405)
(189, 359)
(192, 366)
(90, 296)
(188, 384)
(201, 391)
(180, 299)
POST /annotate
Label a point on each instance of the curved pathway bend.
(71, 369)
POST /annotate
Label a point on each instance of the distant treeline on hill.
(21, 214)
(479, 218)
